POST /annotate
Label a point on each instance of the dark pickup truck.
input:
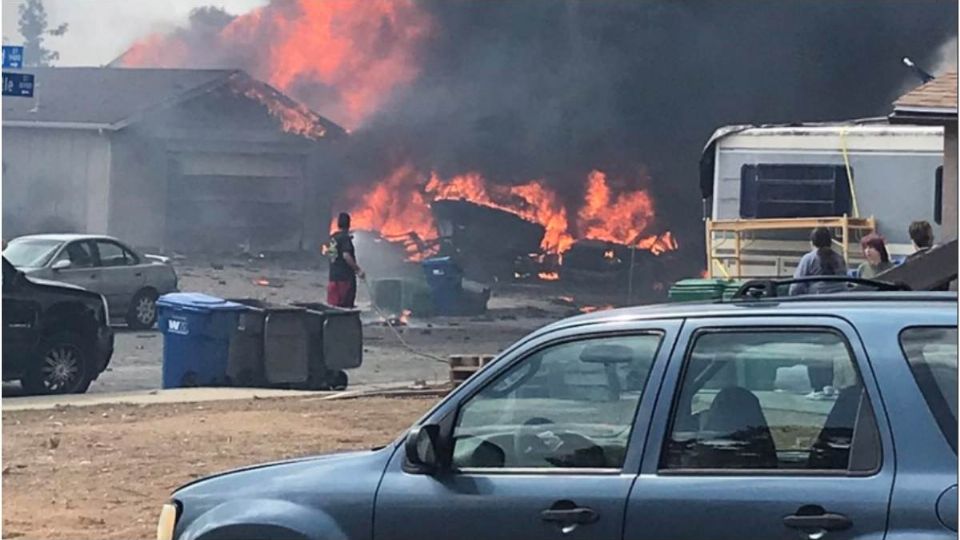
(56, 337)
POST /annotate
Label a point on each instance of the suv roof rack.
(770, 288)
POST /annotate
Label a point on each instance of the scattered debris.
(271, 282)
(216, 266)
(591, 309)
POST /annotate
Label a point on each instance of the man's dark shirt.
(341, 243)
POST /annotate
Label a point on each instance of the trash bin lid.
(197, 302)
(437, 262)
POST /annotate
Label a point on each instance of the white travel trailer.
(766, 187)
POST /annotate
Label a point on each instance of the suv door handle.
(570, 516)
(807, 518)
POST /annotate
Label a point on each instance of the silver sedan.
(131, 282)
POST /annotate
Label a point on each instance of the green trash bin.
(701, 290)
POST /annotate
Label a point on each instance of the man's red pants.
(342, 293)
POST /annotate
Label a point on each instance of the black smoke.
(530, 89)
(550, 89)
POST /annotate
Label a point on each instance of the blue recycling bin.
(445, 280)
(196, 338)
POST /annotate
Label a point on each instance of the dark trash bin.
(197, 331)
(336, 344)
(245, 361)
(445, 280)
(278, 335)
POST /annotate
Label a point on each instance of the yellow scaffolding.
(732, 265)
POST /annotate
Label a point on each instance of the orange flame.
(658, 245)
(621, 219)
(399, 206)
(400, 217)
(343, 57)
(531, 201)
(548, 276)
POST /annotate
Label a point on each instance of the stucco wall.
(55, 180)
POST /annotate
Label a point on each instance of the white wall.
(55, 180)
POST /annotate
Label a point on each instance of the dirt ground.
(103, 472)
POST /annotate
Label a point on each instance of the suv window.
(570, 405)
(112, 254)
(771, 399)
(932, 355)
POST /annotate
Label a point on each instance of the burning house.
(178, 159)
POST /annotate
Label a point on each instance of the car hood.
(57, 284)
(341, 486)
(259, 478)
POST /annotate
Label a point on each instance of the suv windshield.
(31, 253)
(932, 354)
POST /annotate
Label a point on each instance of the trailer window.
(779, 191)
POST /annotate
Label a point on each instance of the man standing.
(921, 232)
(342, 286)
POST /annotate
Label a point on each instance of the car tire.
(61, 365)
(142, 314)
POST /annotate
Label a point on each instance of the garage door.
(219, 201)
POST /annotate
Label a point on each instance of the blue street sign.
(12, 56)
(17, 84)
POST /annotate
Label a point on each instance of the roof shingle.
(936, 96)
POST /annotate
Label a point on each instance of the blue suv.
(830, 416)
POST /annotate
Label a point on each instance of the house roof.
(934, 99)
(113, 98)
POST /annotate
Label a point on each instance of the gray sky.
(102, 29)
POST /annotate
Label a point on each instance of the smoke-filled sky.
(522, 90)
(100, 30)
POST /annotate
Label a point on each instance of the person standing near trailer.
(822, 261)
(344, 270)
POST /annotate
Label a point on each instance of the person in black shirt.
(342, 286)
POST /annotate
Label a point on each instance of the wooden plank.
(735, 225)
(464, 366)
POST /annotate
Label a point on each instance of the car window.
(571, 405)
(112, 254)
(770, 399)
(80, 255)
(33, 253)
(932, 355)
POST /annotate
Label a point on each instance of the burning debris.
(294, 117)
(591, 309)
(499, 230)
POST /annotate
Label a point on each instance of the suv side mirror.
(421, 449)
(62, 264)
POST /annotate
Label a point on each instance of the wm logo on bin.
(175, 326)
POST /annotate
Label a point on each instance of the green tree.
(34, 29)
